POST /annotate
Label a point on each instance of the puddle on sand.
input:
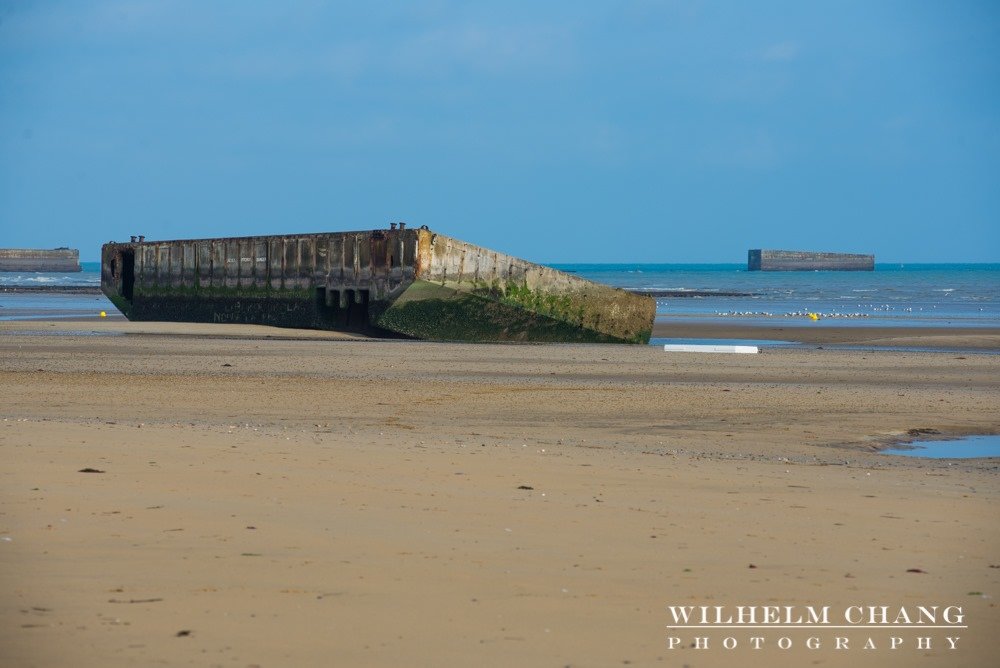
(762, 343)
(959, 448)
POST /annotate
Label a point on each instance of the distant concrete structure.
(29, 259)
(781, 260)
(402, 281)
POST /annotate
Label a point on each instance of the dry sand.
(279, 498)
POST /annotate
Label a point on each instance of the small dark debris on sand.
(90, 470)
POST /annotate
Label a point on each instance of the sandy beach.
(264, 497)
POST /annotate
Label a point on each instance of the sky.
(563, 131)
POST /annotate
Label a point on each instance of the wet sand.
(943, 337)
(275, 497)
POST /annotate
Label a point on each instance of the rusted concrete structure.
(409, 282)
(30, 259)
(780, 260)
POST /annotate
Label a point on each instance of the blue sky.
(560, 132)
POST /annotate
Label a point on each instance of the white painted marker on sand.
(699, 348)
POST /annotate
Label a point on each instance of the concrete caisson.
(400, 281)
(781, 260)
(30, 259)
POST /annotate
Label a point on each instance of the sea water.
(953, 295)
(90, 276)
(54, 304)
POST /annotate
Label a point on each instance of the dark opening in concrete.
(128, 273)
(344, 308)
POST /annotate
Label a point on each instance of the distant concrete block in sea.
(30, 259)
(402, 281)
(781, 260)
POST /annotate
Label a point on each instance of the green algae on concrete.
(431, 311)
(222, 291)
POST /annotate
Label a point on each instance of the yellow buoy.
(814, 316)
(103, 314)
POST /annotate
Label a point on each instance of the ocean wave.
(83, 278)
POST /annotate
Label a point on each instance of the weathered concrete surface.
(780, 260)
(409, 282)
(30, 259)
